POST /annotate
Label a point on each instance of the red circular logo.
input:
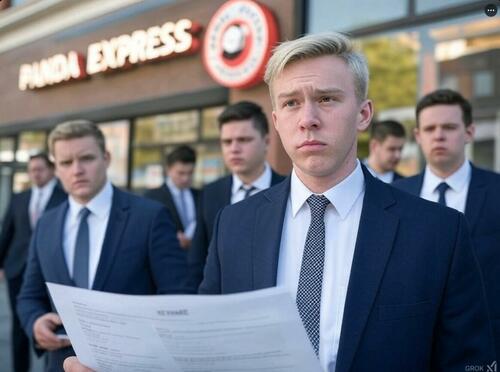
(238, 43)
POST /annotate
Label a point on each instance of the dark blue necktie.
(81, 258)
(311, 271)
(247, 190)
(441, 188)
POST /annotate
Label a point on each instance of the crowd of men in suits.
(383, 280)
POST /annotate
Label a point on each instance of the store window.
(30, 143)
(209, 123)
(425, 6)
(483, 153)
(5, 191)
(155, 136)
(483, 82)
(449, 82)
(7, 149)
(17, 2)
(393, 87)
(179, 127)
(460, 54)
(117, 136)
(344, 15)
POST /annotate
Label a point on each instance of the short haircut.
(245, 110)
(380, 130)
(43, 156)
(181, 154)
(312, 46)
(446, 97)
(76, 129)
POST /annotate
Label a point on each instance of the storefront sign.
(171, 39)
(157, 42)
(53, 70)
(238, 43)
(237, 46)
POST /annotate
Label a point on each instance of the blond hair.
(311, 46)
(76, 129)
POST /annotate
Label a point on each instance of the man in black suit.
(244, 137)
(24, 210)
(387, 139)
(177, 194)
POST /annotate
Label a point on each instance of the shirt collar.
(457, 181)
(342, 196)
(100, 205)
(171, 185)
(48, 187)
(261, 183)
(384, 175)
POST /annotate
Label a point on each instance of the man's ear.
(107, 158)
(365, 115)
(275, 122)
(470, 131)
(416, 133)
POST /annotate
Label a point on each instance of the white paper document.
(252, 331)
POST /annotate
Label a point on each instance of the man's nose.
(309, 116)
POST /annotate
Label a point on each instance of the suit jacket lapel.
(416, 187)
(266, 245)
(55, 198)
(56, 250)
(169, 201)
(275, 178)
(116, 225)
(475, 197)
(377, 231)
(226, 191)
(25, 209)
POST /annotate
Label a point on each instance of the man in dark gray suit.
(177, 194)
(22, 214)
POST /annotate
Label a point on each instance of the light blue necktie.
(183, 212)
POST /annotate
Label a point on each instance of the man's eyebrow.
(329, 91)
(288, 94)
(316, 92)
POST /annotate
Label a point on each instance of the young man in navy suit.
(444, 127)
(177, 194)
(383, 281)
(387, 138)
(244, 138)
(101, 238)
(19, 221)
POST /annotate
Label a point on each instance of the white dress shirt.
(99, 207)
(456, 195)
(341, 229)
(261, 183)
(40, 196)
(189, 200)
(386, 177)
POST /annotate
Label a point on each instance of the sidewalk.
(5, 357)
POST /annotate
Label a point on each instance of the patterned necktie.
(81, 258)
(311, 271)
(441, 188)
(247, 190)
